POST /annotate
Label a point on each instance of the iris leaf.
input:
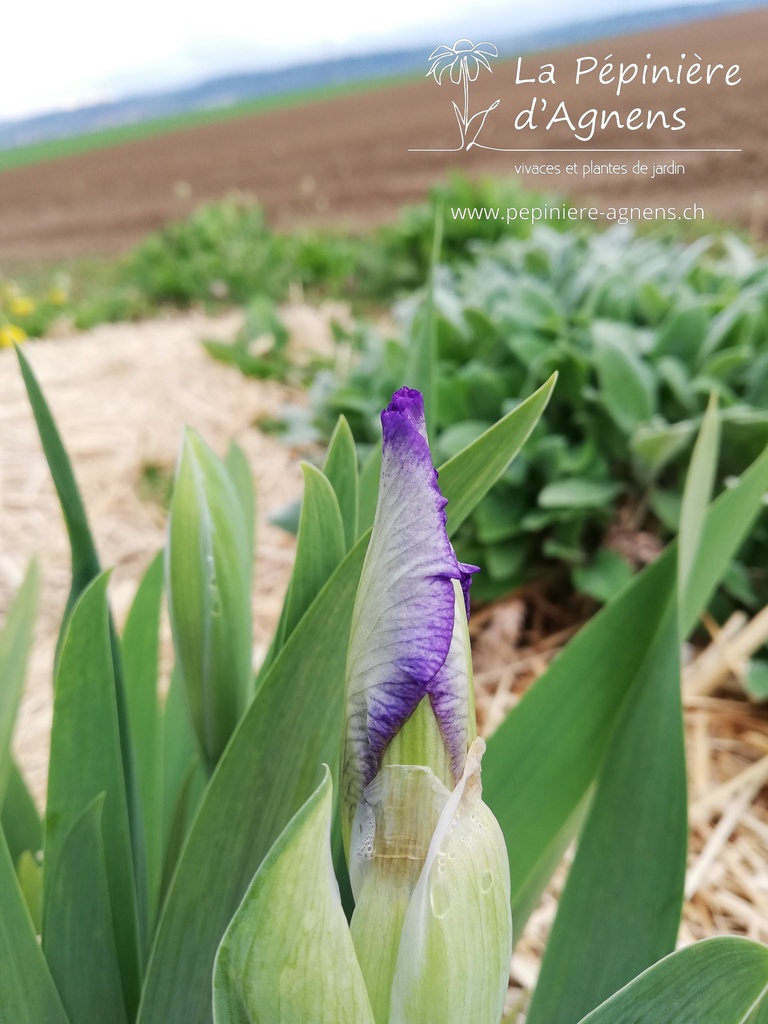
(27, 992)
(620, 910)
(78, 940)
(19, 817)
(302, 969)
(715, 981)
(85, 761)
(15, 642)
(341, 470)
(141, 650)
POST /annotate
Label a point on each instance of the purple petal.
(467, 571)
(403, 621)
(449, 693)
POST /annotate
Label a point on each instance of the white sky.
(62, 53)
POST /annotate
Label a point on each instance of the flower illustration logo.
(463, 60)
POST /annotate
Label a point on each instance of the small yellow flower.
(56, 296)
(11, 335)
(20, 305)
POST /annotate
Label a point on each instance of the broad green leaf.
(741, 311)
(675, 377)
(738, 583)
(728, 522)
(300, 968)
(287, 518)
(27, 992)
(468, 476)
(604, 576)
(320, 547)
(627, 386)
(543, 759)
(498, 516)
(620, 910)
(19, 817)
(760, 1013)
(141, 649)
(85, 761)
(208, 576)
(180, 818)
(369, 490)
(716, 981)
(78, 941)
(505, 562)
(30, 875)
(256, 784)
(697, 493)
(15, 642)
(239, 356)
(667, 505)
(457, 436)
(579, 492)
(178, 749)
(341, 470)
(85, 561)
(682, 333)
(655, 444)
(240, 472)
(183, 779)
(85, 567)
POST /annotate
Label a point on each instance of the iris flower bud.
(431, 933)
(428, 863)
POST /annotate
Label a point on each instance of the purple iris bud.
(405, 643)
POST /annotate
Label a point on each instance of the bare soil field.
(347, 160)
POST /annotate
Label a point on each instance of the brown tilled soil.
(348, 159)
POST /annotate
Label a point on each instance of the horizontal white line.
(578, 150)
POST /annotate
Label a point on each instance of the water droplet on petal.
(440, 899)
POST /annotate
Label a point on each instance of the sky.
(89, 51)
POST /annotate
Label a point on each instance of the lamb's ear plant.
(186, 881)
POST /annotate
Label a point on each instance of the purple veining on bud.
(405, 610)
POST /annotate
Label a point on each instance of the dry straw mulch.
(121, 394)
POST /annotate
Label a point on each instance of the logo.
(463, 61)
(553, 103)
